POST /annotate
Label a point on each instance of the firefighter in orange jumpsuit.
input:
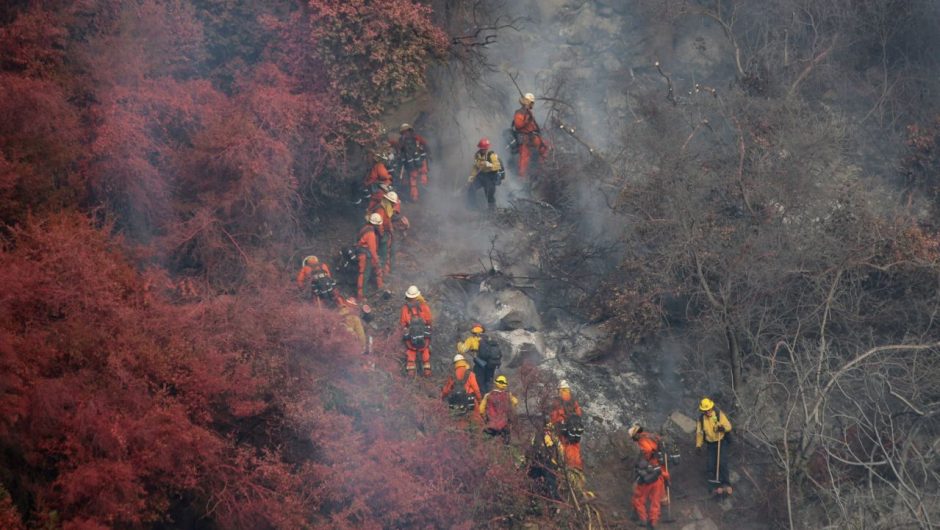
(413, 157)
(463, 373)
(388, 208)
(368, 250)
(378, 174)
(651, 476)
(416, 322)
(321, 282)
(566, 406)
(527, 134)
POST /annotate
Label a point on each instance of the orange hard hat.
(484, 143)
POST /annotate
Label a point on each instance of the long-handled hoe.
(717, 466)
(668, 518)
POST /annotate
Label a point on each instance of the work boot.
(427, 370)
(411, 371)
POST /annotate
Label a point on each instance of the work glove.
(471, 178)
(720, 428)
(489, 165)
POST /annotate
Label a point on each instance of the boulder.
(521, 313)
(590, 342)
(520, 346)
(682, 421)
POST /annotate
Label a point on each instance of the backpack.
(573, 426)
(498, 408)
(489, 352)
(411, 152)
(418, 331)
(458, 399)
(646, 473)
(349, 259)
(322, 283)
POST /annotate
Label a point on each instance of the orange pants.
(418, 174)
(527, 150)
(365, 271)
(411, 358)
(652, 493)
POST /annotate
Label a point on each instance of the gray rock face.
(589, 342)
(703, 524)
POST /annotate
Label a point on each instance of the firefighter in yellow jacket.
(712, 429)
(487, 174)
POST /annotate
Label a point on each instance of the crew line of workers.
(557, 451)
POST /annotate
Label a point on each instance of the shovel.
(668, 518)
(717, 466)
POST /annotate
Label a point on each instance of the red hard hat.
(484, 143)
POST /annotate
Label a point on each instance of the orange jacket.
(524, 122)
(369, 242)
(648, 444)
(420, 307)
(470, 386)
(378, 174)
(558, 412)
(307, 270)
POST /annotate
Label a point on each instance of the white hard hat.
(392, 197)
(529, 97)
(459, 357)
(375, 219)
(412, 292)
(404, 127)
(563, 384)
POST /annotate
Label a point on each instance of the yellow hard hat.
(706, 405)
(501, 380)
(313, 260)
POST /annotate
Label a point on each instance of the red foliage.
(258, 412)
(124, 406)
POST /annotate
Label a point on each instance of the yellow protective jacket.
(479, 162)
(470, 344)
(354, 325)
(709, 423)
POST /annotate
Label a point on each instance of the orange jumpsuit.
(368, 249)
(308, 270)
(649, 493)
(377, 175)
(417, 307)
(572, 448)
(527, 131)
(410, 144)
